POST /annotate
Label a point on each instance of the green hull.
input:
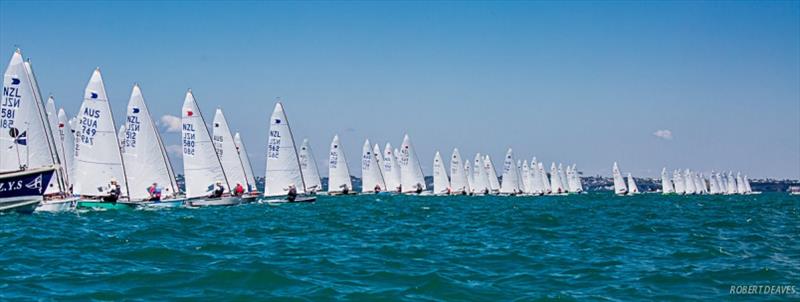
(93, 204)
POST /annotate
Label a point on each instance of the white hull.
(212, 202)
(57, 205)
(22, 204)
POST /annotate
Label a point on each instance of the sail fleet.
(94, 158)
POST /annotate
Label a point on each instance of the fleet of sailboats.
(97, 165)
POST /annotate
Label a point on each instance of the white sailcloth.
(666, 184)
(52, 122)
(441, 184)
(555, 180)
(308, 165)
(201, 164)
(746, 180)
(67, 143)
(535, 178)
(338, 172)
(491, 174)
(283, 164)
(677, 180)
(470, 176)
(248, 169)
(459, 180)
(526, 177)
(545, 181)
(411, 177)
(226, 149)
(97, 150)
(578, 184)
(142, 151)
(633, 189)
(619, 183)
(563, 175)
(391, 169)
(481, 180)
(371, 177)
(376, 150)
(740, 187)
(689, 182)
(511, 177)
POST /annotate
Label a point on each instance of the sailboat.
(470, 189)
(339, 182)
(284, 175)
(632, 188)
(371, 177)
(248, 169)
(459, 180)
(525, 173)
(66, 141)
(391, 169)
(308, 166)
(740, 187)
(411, 178)
(545, 181)
(666, 183)
(619, 183)
(535, 178)
(555, 181)
(511, 178)
(688, 180)
(228, 155)
(98, 156)
(574, 180)
(731, 181)
(491, 174)
(481, 180)
(201, 162)
(441, 183)
(146, 157)
(564, 181)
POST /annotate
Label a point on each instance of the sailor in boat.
(114, 191)
(345, 189)
(155, 192)
(218, 189)
(377, 189)
(312, 190)
(239, 190)
(418, 188)
(292, 194)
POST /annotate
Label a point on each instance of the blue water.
(398, 248)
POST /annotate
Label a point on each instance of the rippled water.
(591, 247)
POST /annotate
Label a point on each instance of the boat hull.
(22, 205)
(167, 203)
(104, 205)
(57, 205)
(214, 202)
(279, 199)
(22, 191)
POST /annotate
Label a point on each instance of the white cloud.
(176, 150)
(173, 123)
(663, 134)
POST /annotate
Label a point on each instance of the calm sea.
(400, 248)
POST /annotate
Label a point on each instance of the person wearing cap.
(113, 190)
(155, 192)
(292, 194)
(218, 190)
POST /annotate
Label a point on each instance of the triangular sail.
(52, 122)
(666, 184)
(243, 156)
(545, 181)
(338, 172)
(470, 176)
(201, 164)
(226, 150)
(535, 178)
(308, 165)
(525, 172)
(491, 174)
(67, 143)
(371, 177)
(391, 169)
(632, 188)
(481, 180)
(459, 181)
(689, 183)
(563, 175)
(511, 179)
(441, 184)
(619, 182)
(411, 177)
(740, 186)
(141, 150)
(97, 150)
(60, 184)
(677, 180)
(283, 164)
(577, 185)
(556, 185)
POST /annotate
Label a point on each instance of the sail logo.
(93, 95)
(35, 184)
(15, 81)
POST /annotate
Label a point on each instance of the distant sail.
(688, 180)
(308, 165)
(441, 183)
(470, 176)
(201, 164)
(67, 143)
(535, 178)
(459, 180)
(555, 180)
(371, 177)
(481, 180)
(511, 176)
(391, 169)
(666, 183)
(491, 173)
(633, 189)
(619, 183)
(740, 186)
(283, 163)
(226, 149)
(411, 177)
(545, 181)
(248, 169)
(338, 172)
(525, 172)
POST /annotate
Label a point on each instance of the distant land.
(590, 183)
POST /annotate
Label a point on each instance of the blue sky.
(578, 82)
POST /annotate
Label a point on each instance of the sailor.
(377, 189)
(114, 191)
(345, 189)
(154, 191)
(218, 190)
(292, 194)
(239, 190)
(419, 188)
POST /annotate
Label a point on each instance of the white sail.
(21, 116)
(740, 187)
(52, 122)
(308, 165)
(411, 177)
(376, 150)
(535, 178)
(142, 151)
(632, 188)
(66, 142)
(545, 181)
(689, 183)
(713, 189)
(525, 172)
(555, 180)
(747, 187)
(564, 181)
(666, 183)
(391, 169)
(577, 183)
(701, 183)
(459, 180)
(677, 180)
(481, 180)
(491, 174)
(201, 165)
(511, 177)
(97, 150)
(441, 183)
(338, 172)
(470, 176)
(248, 169)
(619, 183)
(283, 164)
(226, 149)
(371, 177)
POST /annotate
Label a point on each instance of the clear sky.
(579, 82)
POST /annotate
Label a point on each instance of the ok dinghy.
(391, 169)
(149, 172)
(248, 169)
(666, 183)
(371, 177)
(491, 175)
(230, 157)
(284, 180)
(412, 180)
(308, 167)
(206, 181)
(511, 178)
(632, 188)
(459, 180)
(619, 182)
(339, 182)
(441, 183)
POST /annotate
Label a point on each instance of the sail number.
(89, 118)
(131, 131)
(188, 139)
(8, 109)
(274, 144)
